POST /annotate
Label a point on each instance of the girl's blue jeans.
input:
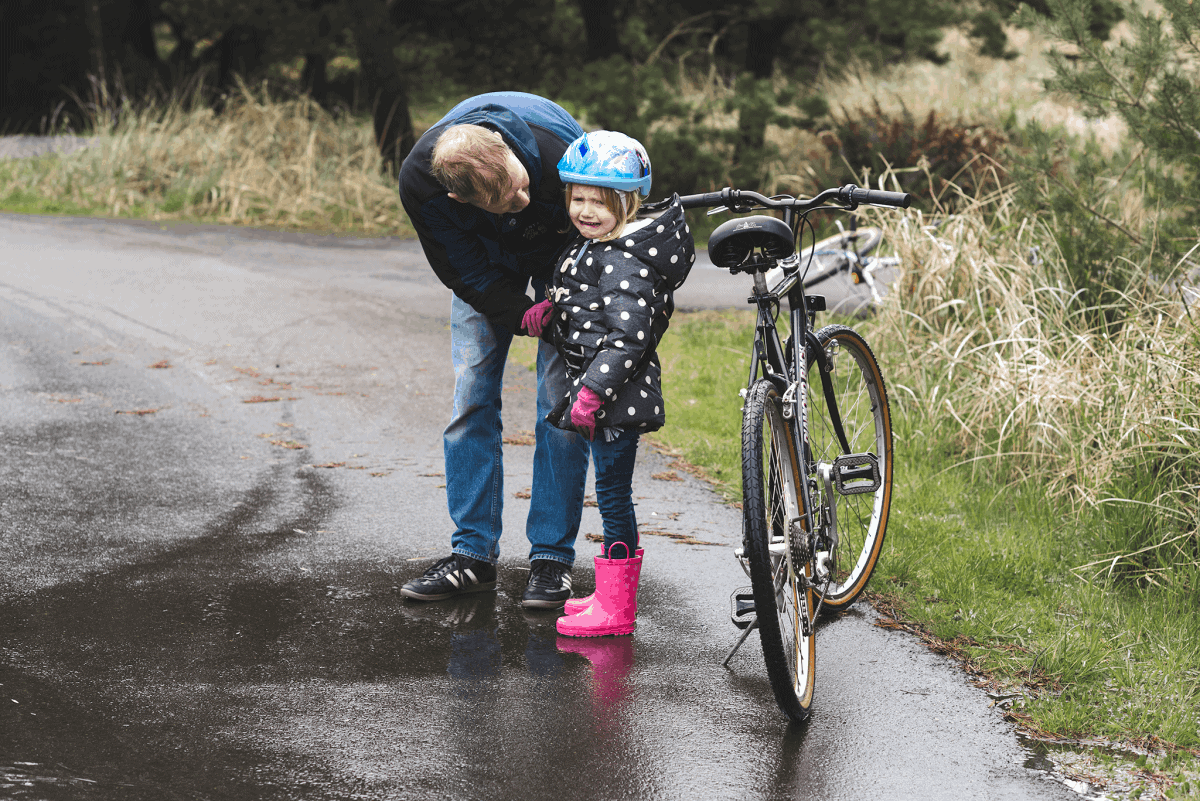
(473, 443)
(614, 490)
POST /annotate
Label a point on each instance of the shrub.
(935, 159)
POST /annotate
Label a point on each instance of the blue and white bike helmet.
(607, 158)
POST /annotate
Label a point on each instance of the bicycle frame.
(768, 357)
(791, 563)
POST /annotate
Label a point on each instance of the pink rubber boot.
(574, 606)
(614, 608)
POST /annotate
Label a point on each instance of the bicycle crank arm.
(826, 472)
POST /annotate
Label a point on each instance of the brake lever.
(717, 210)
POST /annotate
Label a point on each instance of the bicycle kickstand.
(742, 639)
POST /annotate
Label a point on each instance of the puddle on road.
(135, 686)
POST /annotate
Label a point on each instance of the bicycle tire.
(862, 403)
(780, 596)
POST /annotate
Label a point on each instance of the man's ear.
(456, 197)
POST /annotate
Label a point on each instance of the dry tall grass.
(264, 161)
(996, 353)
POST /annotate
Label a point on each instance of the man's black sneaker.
(454, 575)
(549, 585)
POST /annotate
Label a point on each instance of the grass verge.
(985, 572)
(284, 164)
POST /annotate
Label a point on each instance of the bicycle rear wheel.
(783, 599)
(862, 404)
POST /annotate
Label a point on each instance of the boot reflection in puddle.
(612, 659)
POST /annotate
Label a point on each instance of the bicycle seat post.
(760, 283)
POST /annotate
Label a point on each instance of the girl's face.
(588, 212)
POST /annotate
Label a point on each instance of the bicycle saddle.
(751, 244)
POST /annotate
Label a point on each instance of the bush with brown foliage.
(934, 158)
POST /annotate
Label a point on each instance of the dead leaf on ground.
(682, 539)
(519, 438)
(285, 425)
(163, 365)
(687, 467)
(377, 474)
(261, 399)
(330, 464)
(666, 475)
(594, 537)
(67, 400)
(431, 475)
(250, 371)
(291, 445)
(136, 411)
(524, 494)
(590, 501)
(95, 364)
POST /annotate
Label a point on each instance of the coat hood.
(665, 244)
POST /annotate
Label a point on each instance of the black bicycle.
(816, 454)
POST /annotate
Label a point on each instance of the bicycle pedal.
(742, 611)
(856, 473)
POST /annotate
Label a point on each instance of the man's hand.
(535, 318)
(583, 413)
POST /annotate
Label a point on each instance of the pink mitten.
(583, 413)
(535, 318)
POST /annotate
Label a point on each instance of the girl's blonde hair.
(620, 204)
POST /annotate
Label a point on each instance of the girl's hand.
(535, 318)
(583, 413)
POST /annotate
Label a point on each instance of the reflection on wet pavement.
(192, 613)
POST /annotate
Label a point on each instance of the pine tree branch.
(1073, 191)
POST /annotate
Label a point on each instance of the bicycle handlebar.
(848, 196)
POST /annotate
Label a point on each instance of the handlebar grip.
(698, 201)
(880, 198)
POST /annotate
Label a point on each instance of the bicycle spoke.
(863, 410)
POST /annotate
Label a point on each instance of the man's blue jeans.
(473, 442)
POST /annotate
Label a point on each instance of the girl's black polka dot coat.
(612, 301)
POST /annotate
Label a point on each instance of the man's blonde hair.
(620, 204)
(472, 162)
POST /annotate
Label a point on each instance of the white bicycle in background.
(847, 253)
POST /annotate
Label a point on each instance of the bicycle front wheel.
(783, 598)
(862, 405)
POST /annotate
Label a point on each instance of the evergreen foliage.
(1152, 82)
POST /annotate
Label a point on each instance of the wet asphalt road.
(198, 595)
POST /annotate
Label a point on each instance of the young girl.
(611, 298)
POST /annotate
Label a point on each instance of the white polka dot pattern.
(620, 297)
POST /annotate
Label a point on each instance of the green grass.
(21, 201)
(982, 568)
